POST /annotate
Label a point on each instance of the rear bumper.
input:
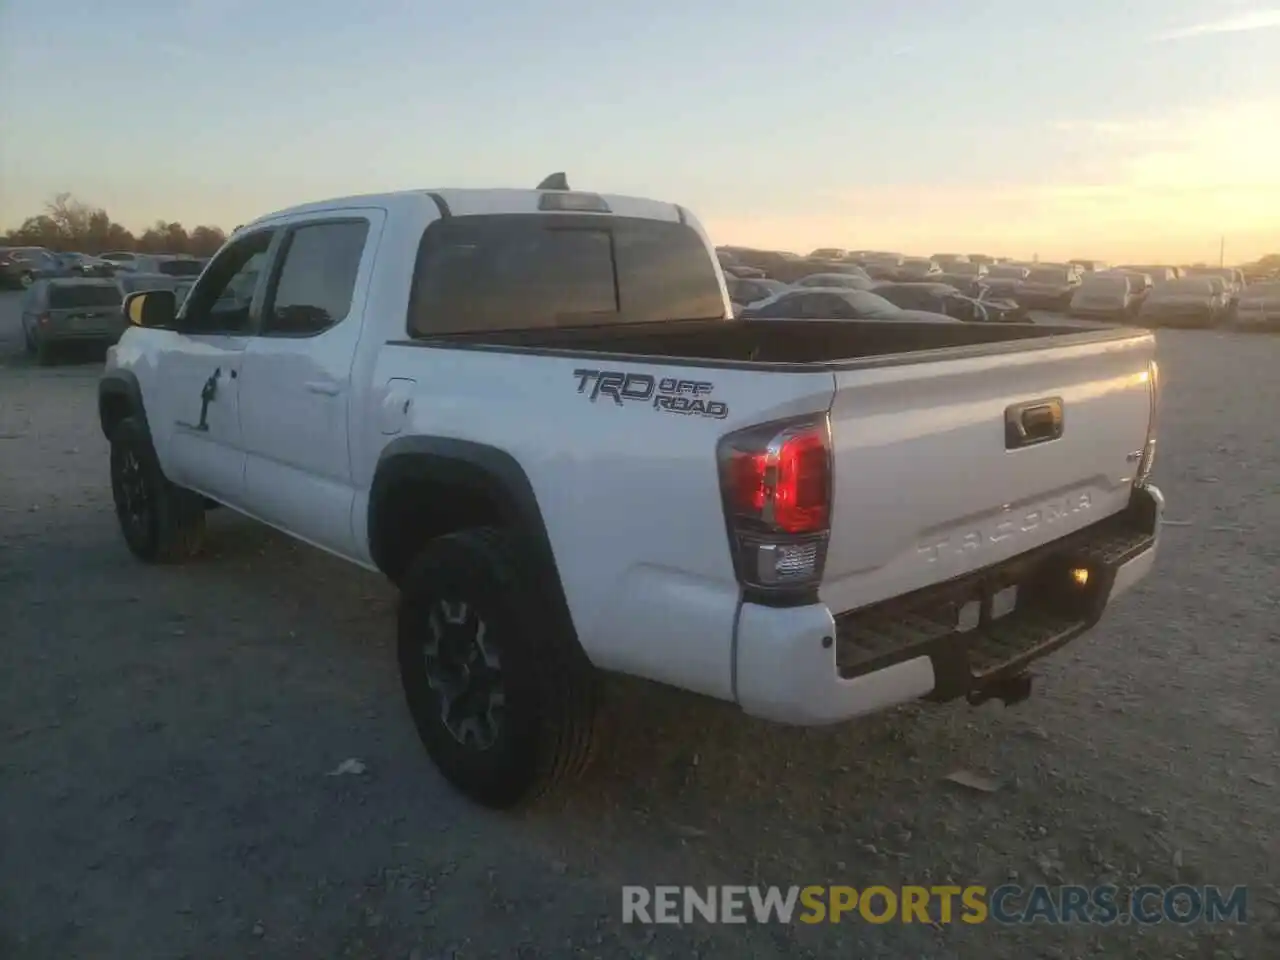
(802, 665)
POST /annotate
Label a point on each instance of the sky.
(1146, 131)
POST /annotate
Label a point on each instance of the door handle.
(324, 387)
(1026, 424)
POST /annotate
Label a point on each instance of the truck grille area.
(959, 623)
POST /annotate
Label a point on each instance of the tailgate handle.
(1026, 424)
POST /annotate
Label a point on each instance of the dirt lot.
(165, 736)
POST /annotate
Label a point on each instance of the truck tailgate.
(930, 482)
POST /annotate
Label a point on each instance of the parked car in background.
(983, 259)
(1188, 302)
(732, 266)
(66, 310)
(745, 292)
(849, 281)
(1088, 266)
(916, 268)
(134, 281)
(1104, 296)
(819, 303)
(123, 259)
(1139, 283)
(1003, 279)
(881, 265)
(794, 270)
(1048, 288)
(1158, 274)
(172, 265)
(1258, 307)
(1233, 277)
(829, 253)
(20, 267)
(946, 261)
(82, 264)
(945, 299)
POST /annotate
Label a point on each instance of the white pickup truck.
(533, 412)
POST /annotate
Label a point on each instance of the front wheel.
(161, 522)
(502, 695)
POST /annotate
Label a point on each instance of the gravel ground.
(166, 734)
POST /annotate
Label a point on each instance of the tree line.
(69, 225)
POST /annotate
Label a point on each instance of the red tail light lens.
(776, 480)
(786, 485)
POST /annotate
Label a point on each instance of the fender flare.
(114, 386)
(476, 466)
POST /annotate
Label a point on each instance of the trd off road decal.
(689, 397)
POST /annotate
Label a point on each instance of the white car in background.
(1258, 307)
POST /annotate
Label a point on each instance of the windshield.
(69, 296)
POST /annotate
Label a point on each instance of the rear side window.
(316, 278)
(68, 297)
(488, 273)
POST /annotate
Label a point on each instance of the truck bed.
(839, 343)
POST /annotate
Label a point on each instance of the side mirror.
(151, 308)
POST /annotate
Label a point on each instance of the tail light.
(1147, 460)
(776, 483)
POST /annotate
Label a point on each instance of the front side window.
(317, 278)
(222, 298)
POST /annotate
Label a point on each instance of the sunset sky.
(1129, 132)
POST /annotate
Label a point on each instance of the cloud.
(1266, 19)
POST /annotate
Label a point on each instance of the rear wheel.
(503, 698)
(161, 522)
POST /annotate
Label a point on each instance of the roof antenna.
(557, 181)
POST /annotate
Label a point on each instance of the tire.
(161, 522)
(540, 732)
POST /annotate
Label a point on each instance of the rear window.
(180, 268)
(70, 296)
(504, 272)
(1006, 273)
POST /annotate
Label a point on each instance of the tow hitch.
(1008, 690)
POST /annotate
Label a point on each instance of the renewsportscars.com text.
(1007, 904)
